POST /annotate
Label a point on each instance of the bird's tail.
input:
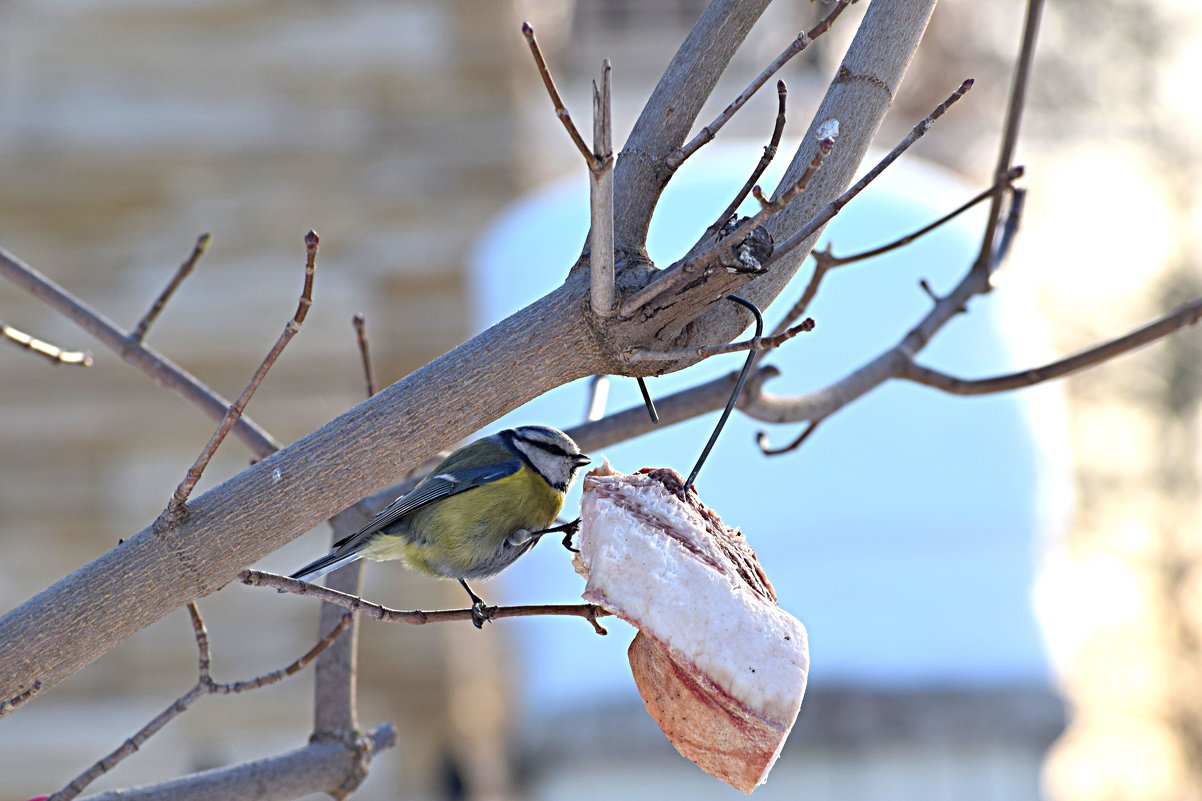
(326, 564)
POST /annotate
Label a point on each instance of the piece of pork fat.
(720, 666)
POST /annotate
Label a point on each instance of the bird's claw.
(570, 530)
(481, 614)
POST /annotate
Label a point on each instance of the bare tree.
(616, 316)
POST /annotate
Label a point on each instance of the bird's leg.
(480, 614)
(569, 530)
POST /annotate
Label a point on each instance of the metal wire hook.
(734, 396)
(650, 404)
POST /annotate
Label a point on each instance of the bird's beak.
(581, 459)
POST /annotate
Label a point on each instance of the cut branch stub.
(748, 254)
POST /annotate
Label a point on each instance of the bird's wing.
(434, 487)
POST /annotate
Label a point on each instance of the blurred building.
(399, 131)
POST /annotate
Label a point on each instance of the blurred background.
(1002, 593)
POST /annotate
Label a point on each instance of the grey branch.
(601, 200)
(1014, 114)
(320, 766)
(641, 174)
(123, 343)
(1185, 316)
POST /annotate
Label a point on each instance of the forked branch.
(123, 343)
(561, 110)
(205, 685)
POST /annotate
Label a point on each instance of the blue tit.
(475, 513)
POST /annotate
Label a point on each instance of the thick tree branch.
(24, 695)
(641, 172)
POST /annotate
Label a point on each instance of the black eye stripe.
(546, 446)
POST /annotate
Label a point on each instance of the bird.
(474, 514)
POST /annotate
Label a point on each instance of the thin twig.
(1185, 316)
(769, 153)
(824, 260)
(561, 110)
(20, 698)
(189, 264)
(802, 41)
(180, 496)
(204, 686)
(369, 374)
(838, 261)
(416, 617)
(827, 213)
(705, 351)
(204, 657)
(1018, 199)
(602, 292)
(154, 364)
(292, 668)
(53, 353)
(761, 439)
(826, 146)
(985, 262)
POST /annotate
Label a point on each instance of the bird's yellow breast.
(469, 534)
